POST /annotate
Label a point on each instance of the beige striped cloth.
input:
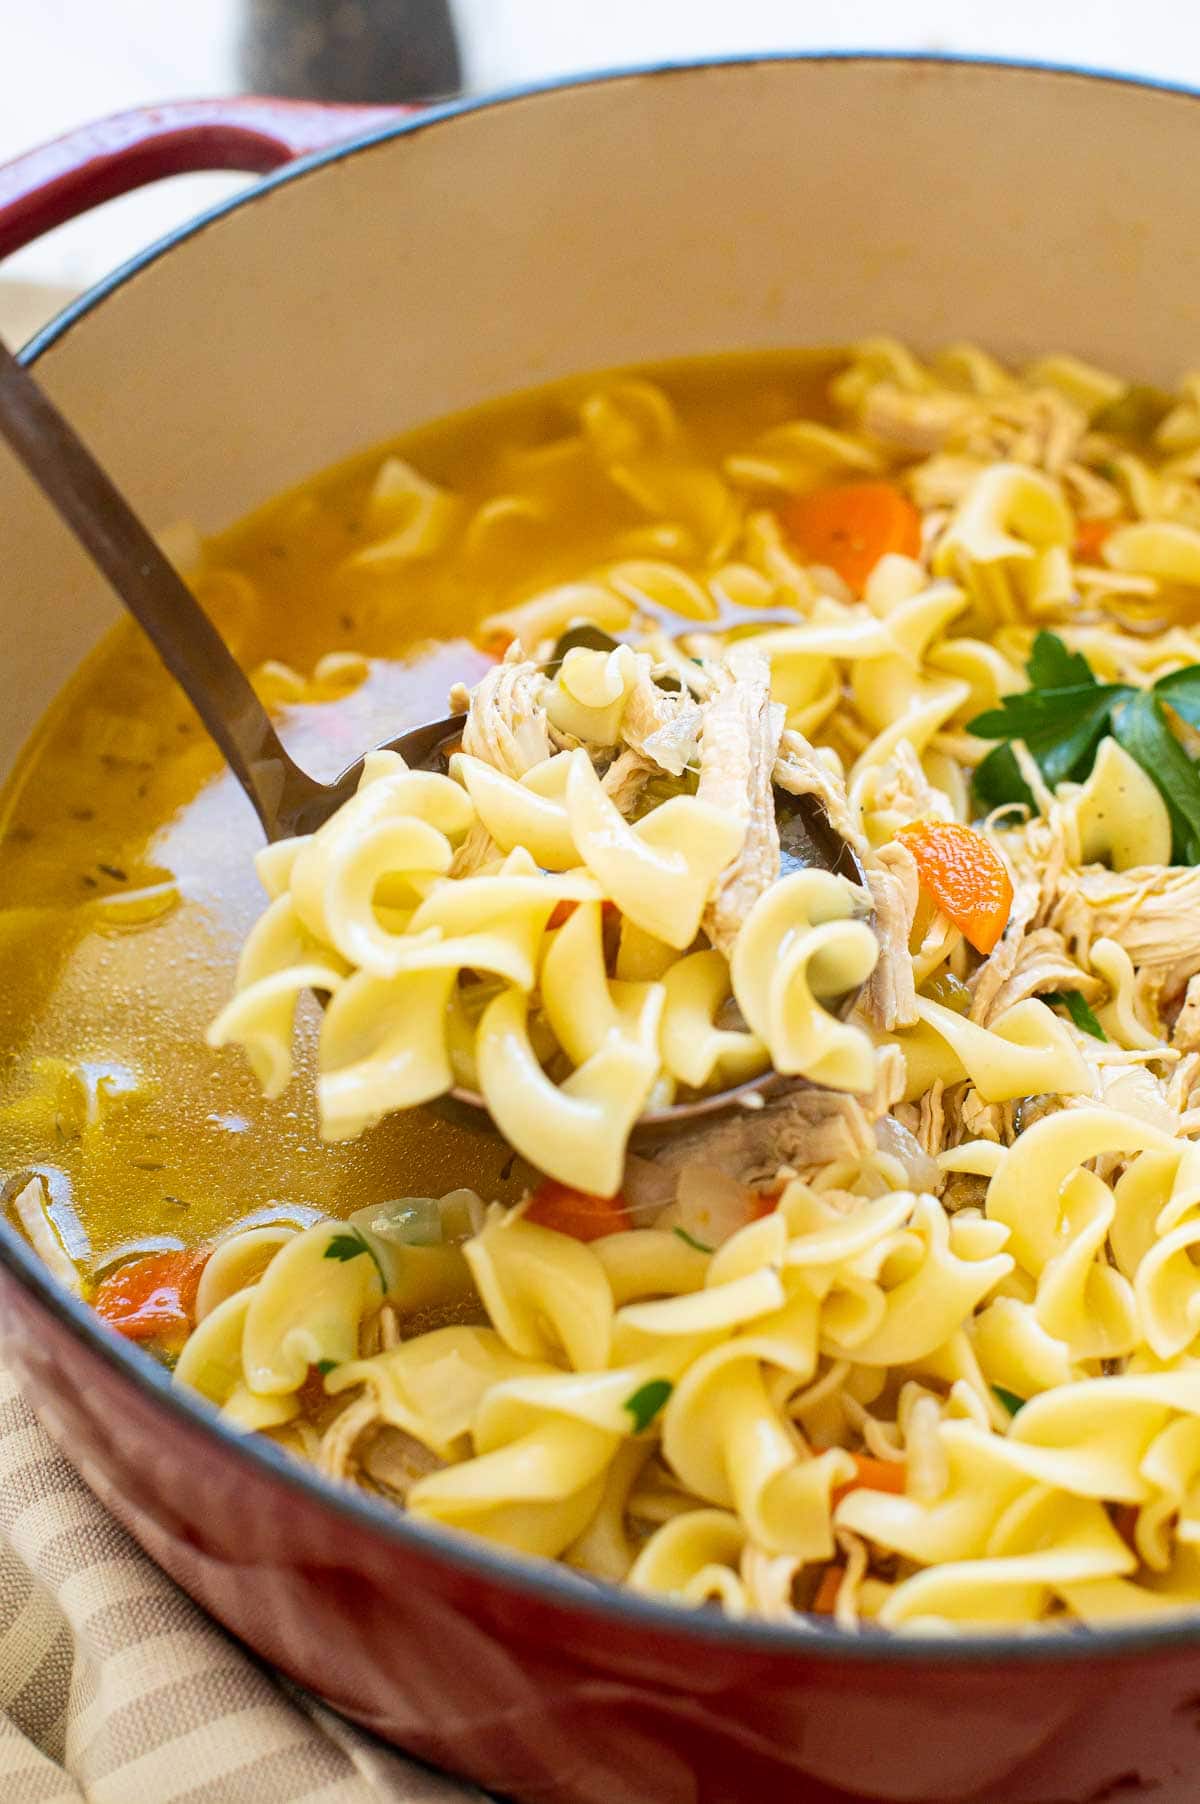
(116, 1689)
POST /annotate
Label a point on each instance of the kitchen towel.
(116, 1689)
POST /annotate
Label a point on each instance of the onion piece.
(271, 1215)
(462, 1214)
(894, 1139)
(411, 1221)
(423, 1221)
(647, 1188)
(1137, 1092)
(709, 1205)
(31, 1210)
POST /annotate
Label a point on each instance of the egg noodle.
(915, 1344)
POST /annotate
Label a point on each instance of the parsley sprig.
(353, 1245)
(1075, 1005)
(646, 1402)
(1065, 713)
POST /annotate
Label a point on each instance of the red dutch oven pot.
(429, 262)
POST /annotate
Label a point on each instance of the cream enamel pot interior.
(481, 249)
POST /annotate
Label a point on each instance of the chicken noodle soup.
(912, 1344)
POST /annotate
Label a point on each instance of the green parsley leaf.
(1141, 727)
(1052, 666)
(1181, 690)
(325, 1366)
(998, 780)
(352, 1245)
(690, 1240)
(1078, 1010)
(1062, 718)
(645, 1403)
(1010, 1400)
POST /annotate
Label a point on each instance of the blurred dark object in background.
(370, 50)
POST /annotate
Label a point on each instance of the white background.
(66, 61)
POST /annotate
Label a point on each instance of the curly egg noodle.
(917, 1345)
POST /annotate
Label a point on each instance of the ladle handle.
(150, 587)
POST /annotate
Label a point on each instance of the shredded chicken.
(769, 1580)
(739, 743)
(661, 726)
(506, 722)
(801, 770)
(339, 1442)
(803, 1128)
(476, 850)
(1153, 913)
(395, 1461)
(903, 790)
(625, 779)
(1040, 962)
(1039, 426)
(996, 970)
(890, 999)
(379, 1333)
(981, 1120)
(920, 423)
(1043, 428)
(1186, 1032)
(931, 1124)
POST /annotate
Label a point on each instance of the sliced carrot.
(152, 1298)
(763, 1202)
(574, 1212)
(852, 526)
(1090, 536)
(825, 1600)
(871, 1475)
(963, 873)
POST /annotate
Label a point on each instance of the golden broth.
(127, 882)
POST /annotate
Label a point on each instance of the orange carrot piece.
(962, 872)
(1090, 536)
(872, 1475)
(825, 1599)
(852, 526)
(574, 1212)
(152, 1298)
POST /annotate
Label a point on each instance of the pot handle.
(248, 132)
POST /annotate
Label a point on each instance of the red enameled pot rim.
(549, 1582)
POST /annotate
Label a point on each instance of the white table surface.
(67, 61)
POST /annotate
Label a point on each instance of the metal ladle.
(286, 799)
